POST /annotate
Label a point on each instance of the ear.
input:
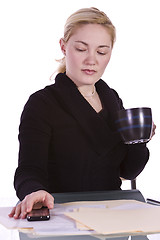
(63, 46)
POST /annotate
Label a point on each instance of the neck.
(87, 91)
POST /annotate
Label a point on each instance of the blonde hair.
(85, 16)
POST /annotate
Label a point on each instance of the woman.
(67, 137)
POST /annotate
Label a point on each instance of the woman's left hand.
(153, 130)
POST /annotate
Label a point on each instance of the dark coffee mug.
(134, 125)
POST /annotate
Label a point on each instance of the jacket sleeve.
(34, 137)
(136, 157)
(135, 160)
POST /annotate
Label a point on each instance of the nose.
(90, 59)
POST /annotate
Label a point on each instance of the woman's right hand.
(34, 200)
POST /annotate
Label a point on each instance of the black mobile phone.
(41, 214)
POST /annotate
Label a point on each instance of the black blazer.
(66, 146)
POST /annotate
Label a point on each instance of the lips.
(88, 71)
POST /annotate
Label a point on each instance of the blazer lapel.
(101, 137)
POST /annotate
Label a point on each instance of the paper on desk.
(111, 204)
(144, 219)
(75, 206)
(63, 224)
(59, 224)
(86, 207)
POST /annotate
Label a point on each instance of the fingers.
(34, 200)
(38, 199)
(11, 214)
(153, 130)
(49, 201)
(20, 211)
(17, 211)
(31, 200)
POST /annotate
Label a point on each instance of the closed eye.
(80, 49)
(102, 53)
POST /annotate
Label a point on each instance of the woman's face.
(87, 54)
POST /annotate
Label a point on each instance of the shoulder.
(42, 95)
(41, 101)
(115, 93)
(105, 90)
(118, 99)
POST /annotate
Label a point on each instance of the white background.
(29, 44)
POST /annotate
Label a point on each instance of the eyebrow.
(101, 46)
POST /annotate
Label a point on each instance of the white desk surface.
(7, 234)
